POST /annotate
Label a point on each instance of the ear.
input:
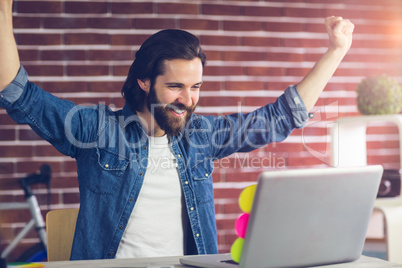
(144, 84)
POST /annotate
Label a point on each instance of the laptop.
(305, 217)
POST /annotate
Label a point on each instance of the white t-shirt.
(155, 227)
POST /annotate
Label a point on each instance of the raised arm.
(9, 59)
(340, 37)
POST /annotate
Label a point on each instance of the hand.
(340, 33)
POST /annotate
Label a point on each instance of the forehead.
(182, 71)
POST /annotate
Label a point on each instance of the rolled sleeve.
(297, 107)
(12, 92)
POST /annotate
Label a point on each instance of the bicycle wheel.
(36, 253)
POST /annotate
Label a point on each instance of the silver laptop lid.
(310, 216)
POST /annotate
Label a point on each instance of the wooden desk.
(170, 262)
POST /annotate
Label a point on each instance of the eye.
(174, 87)
(196, 87)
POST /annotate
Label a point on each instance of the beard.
(163, 116)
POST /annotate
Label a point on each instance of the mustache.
(180, 106)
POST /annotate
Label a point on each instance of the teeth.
(179, 111)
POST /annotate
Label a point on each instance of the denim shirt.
(111, 151)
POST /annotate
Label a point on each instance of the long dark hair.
(149, 61)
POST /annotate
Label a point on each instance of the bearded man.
(145, 171)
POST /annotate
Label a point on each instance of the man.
(145, 171)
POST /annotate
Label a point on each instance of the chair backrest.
(60, 229)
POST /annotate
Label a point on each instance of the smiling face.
(174, 95)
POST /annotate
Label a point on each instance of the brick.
(7, 134)
(231, 208)
(65, 23)
(28, 135)
(6, 120)
(240, 85)
(63, 55)
(227, 193)
(70, 166)
(57, 87)
(305, 12)
(71, 198)
(105, 86)
(44, 70)
(293, 57)
(87, 70)
(383, 159)
(243, 26)
(26, 22)
(225, 224)
(132, 8)
(38, 39)
(28, 54)
(262, 11)
(223, 70)
(297, 71)
(261, 41)
(110, 55)
(33, 166)
(258, 101)
(213, 55)
(110, 23)
(386, 129)
(177, 8)
(38, 7)
(132, 40)
(120, 70)
(9, 216)
(220, 40)
(16, 151)
(81, 7)
(307, 161)
(44, 199)
(84, 39)
(155, 23)
(265, 71)
(46, 150)
(222, 10)
(211, 86)
(219, 101)
(304, 43)
(284, 27)
(7, 168)
(64, 183)
(199, 24)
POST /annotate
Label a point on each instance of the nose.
(186, 97)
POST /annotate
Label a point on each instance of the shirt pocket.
(108, 171)
(203, 184)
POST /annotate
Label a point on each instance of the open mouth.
(178, 112)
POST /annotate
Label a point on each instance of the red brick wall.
(81, 50)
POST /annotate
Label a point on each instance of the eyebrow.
(181, 84)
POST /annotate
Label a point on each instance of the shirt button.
(111, 253)
(206, 174)
(186, 182)
(178, 156)
(141, 173)
(121, 227)
(197, 235)
(131, 199)
(106, 165)
(191, 208)
(144, 147)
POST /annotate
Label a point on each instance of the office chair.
(60, 229)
